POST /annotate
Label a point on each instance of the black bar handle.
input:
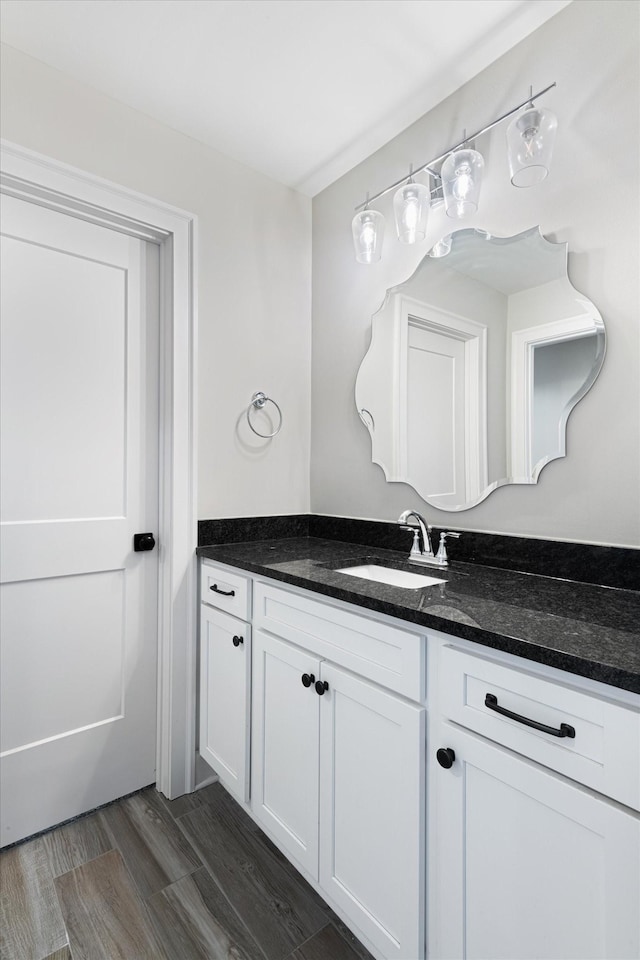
(565, 729)
(224, 593)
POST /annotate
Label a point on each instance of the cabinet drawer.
(604, 753)
(387, 655)
(226, 590)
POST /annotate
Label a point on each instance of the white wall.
(254, 275)
(254, 287)
(590, 200)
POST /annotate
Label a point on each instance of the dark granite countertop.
(587, 630)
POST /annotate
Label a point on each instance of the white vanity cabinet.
(373, 810)
(286, 732)
(529, 863)
(338, 768)
(225, 676)
(522, 842)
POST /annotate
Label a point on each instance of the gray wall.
(590, 200)
(560, 370)
(254, 275)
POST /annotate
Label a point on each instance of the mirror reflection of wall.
(474, 365)
(559, 371)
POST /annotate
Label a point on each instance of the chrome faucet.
(425, 554)
(418, 554)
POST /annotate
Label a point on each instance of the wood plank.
(76, 843)
(151, 843)
(327, 943)
(279, 908)
(333, 918)
(195, 921)
(31, 924)
(214, 797)
(359, 949)
(64, 954)
(105, 918)
(192, 801)
(187, 803)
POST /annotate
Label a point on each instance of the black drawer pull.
(224, 593)
(308, 679)
(321, 686)
(565, 730)
(237, 641)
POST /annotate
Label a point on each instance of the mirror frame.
(573, 328)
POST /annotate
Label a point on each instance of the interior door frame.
(523, 346)
(409, 311)
(31, 176)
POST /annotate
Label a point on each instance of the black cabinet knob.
(307, 679)
(321, 686)
(445, 757)
(237, 641)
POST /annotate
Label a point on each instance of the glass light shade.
(530, 139)
(368, 232)
(442, 247)
(461, 181)
(411, 210)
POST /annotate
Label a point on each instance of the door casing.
(473, 335)
(39, 179)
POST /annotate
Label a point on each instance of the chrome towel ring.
(258, 400)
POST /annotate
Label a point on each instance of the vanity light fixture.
(530, 140)
(461, 181)
(368, 232)
(411, 208)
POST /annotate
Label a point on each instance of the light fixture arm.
(428, 166)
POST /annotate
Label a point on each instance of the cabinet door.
(225, 685)
(372, 811)
(526, 863)
(285, 747)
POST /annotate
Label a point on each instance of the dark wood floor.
(150, 879)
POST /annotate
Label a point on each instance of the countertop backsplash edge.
(606, 566)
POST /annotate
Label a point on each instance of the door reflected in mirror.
(474, 366)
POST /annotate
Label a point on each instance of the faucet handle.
(415, 546)
(441, 555)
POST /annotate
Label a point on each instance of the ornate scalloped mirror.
(475, 364)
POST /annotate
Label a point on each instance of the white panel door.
(284, 746)
(528, 865)
(79, 478)
(225, 690)
(436, 414)
(372, 811)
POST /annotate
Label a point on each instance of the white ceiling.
(301, 90)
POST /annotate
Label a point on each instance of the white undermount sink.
(395, 578)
